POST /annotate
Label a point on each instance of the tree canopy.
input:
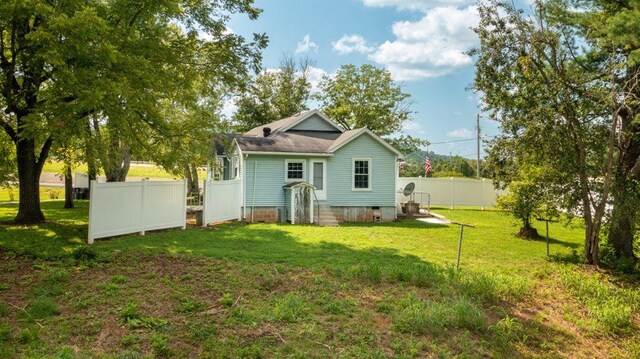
(63, 63)
(274, 95)
(364, 96)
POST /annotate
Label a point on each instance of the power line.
(463, 140)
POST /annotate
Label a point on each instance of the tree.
(610, 29)
(529, 197)
(63, 61)
(550, 108)
(407, 144)
(274, 95)
(364, 96)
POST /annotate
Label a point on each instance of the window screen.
(295, 170)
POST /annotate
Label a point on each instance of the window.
(361, 174)
(295, 170)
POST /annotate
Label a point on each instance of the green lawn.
(272, 290)
(134, 171)
(46, 193)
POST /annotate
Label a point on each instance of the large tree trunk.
(29, 170)
(625, 186)
(90, 155)
(191, 175)
(623, 218)
(68, 187)
(117, 171)
(592, 232)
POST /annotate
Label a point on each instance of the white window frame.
(353, 175)
(286, 170)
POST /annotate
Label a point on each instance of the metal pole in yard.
(462, 225)
(547, 220)
(459, 248)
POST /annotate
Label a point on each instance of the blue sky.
(422, 43)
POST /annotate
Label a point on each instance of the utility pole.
(478, 149)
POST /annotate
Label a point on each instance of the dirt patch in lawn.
(180, 306)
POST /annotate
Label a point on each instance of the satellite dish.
(408, 189)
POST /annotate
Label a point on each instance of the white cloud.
(315, 75)
(433, 46)
(420, 5)
(306, 45)
(460, 133)
(351, 43)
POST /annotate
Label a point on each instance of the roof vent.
(266, 131)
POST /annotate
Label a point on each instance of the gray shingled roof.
(277, 125)
(290, 141)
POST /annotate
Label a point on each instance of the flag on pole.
(427, 165)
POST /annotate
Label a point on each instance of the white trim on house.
(286, 169)
(375, 137)
(369, 174)
(304, 154)
(321, 194)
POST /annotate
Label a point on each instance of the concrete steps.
(326, 217)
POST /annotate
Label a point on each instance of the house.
(308, 163)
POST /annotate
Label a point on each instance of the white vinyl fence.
(222, 201)
(127, 207)
(450, 191)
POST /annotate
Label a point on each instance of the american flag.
(427, 165)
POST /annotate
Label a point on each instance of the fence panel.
(451, 191)
(222, 201)
(129, 207)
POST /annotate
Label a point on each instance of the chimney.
(266, 131)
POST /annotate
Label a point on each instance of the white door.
(318, 177)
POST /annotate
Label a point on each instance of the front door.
(318, 177)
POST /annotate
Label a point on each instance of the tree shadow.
(401, 223)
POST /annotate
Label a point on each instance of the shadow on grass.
(269, 244)
(402, 223)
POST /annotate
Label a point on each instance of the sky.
(421, 42)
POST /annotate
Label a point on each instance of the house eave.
(306, 154)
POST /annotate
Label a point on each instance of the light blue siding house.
(348, 176)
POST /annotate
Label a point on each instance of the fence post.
(92, 187)
(184, 204)
(142, 206)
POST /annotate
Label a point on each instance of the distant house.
(307, 169)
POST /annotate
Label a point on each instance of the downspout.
(243, 175)
(253, 196)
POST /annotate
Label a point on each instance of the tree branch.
(9, 130)
(44, 153)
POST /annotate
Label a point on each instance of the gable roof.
(290, 141)
(284, 138)
(289, 122)
(351, 135)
